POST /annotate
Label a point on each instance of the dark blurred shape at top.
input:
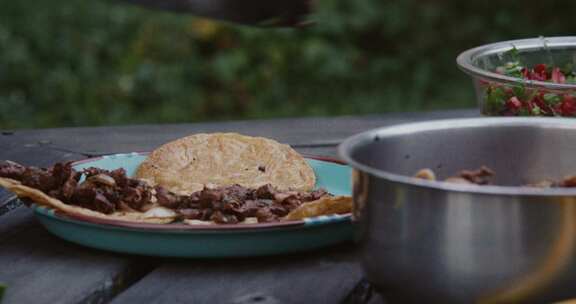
(283, 13)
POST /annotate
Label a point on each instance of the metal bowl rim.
(465, 60)
(345, 152)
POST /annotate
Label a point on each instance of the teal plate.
(207, 241)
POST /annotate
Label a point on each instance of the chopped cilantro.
(552, 99)
(495, 99)
(520, 92)
(523, 100)
(513, 53)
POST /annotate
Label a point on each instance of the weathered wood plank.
(298, 132)
(363, 293)
(39, 268)
(4, 196)
(322, 276)
(12, 214)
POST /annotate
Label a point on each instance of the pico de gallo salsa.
(522, 100)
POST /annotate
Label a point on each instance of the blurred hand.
(249, 12)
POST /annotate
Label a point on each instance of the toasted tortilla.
(324, 206)
(158, 215)
(188, 164)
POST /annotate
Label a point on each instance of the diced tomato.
(540, 68)
(539, 101)
(568, 106)
(558, 76)
(525, 73)
(513, 104)
(543, 102)
(539, 73)
(537, 76)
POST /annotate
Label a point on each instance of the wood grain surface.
(37, 267)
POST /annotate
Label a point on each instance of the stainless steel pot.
(451, 243)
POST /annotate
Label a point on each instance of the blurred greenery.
(81, 62)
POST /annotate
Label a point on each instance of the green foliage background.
(94, 62)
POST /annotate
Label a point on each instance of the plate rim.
(114, 223)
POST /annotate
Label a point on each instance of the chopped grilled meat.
(9, 169)
(265, 215)
(192, 201)
(166, 198)
(210, 197)
(189, 213)
(314, 195)
(90, 198)
(205, 214)
(69, 185)
(92, 171)
(103, 179)
(67, 180)
(280, 210)
(119, 175)
(568, 182)
(222, 218)
(265, 192)
(110, 191)
(40, 179)
(136, 197)
(480, 176)
(291, 203)
(483, 175)
(282, 196)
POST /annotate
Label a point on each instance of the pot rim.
(346, 148)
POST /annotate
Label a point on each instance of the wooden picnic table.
(37, 267)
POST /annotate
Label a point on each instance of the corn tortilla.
(188, 164)
(323, 206)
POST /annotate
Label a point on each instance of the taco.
(283, 191)
(153, 214)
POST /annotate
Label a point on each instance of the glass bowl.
(528, 77)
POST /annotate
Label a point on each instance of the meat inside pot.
(484, 176)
